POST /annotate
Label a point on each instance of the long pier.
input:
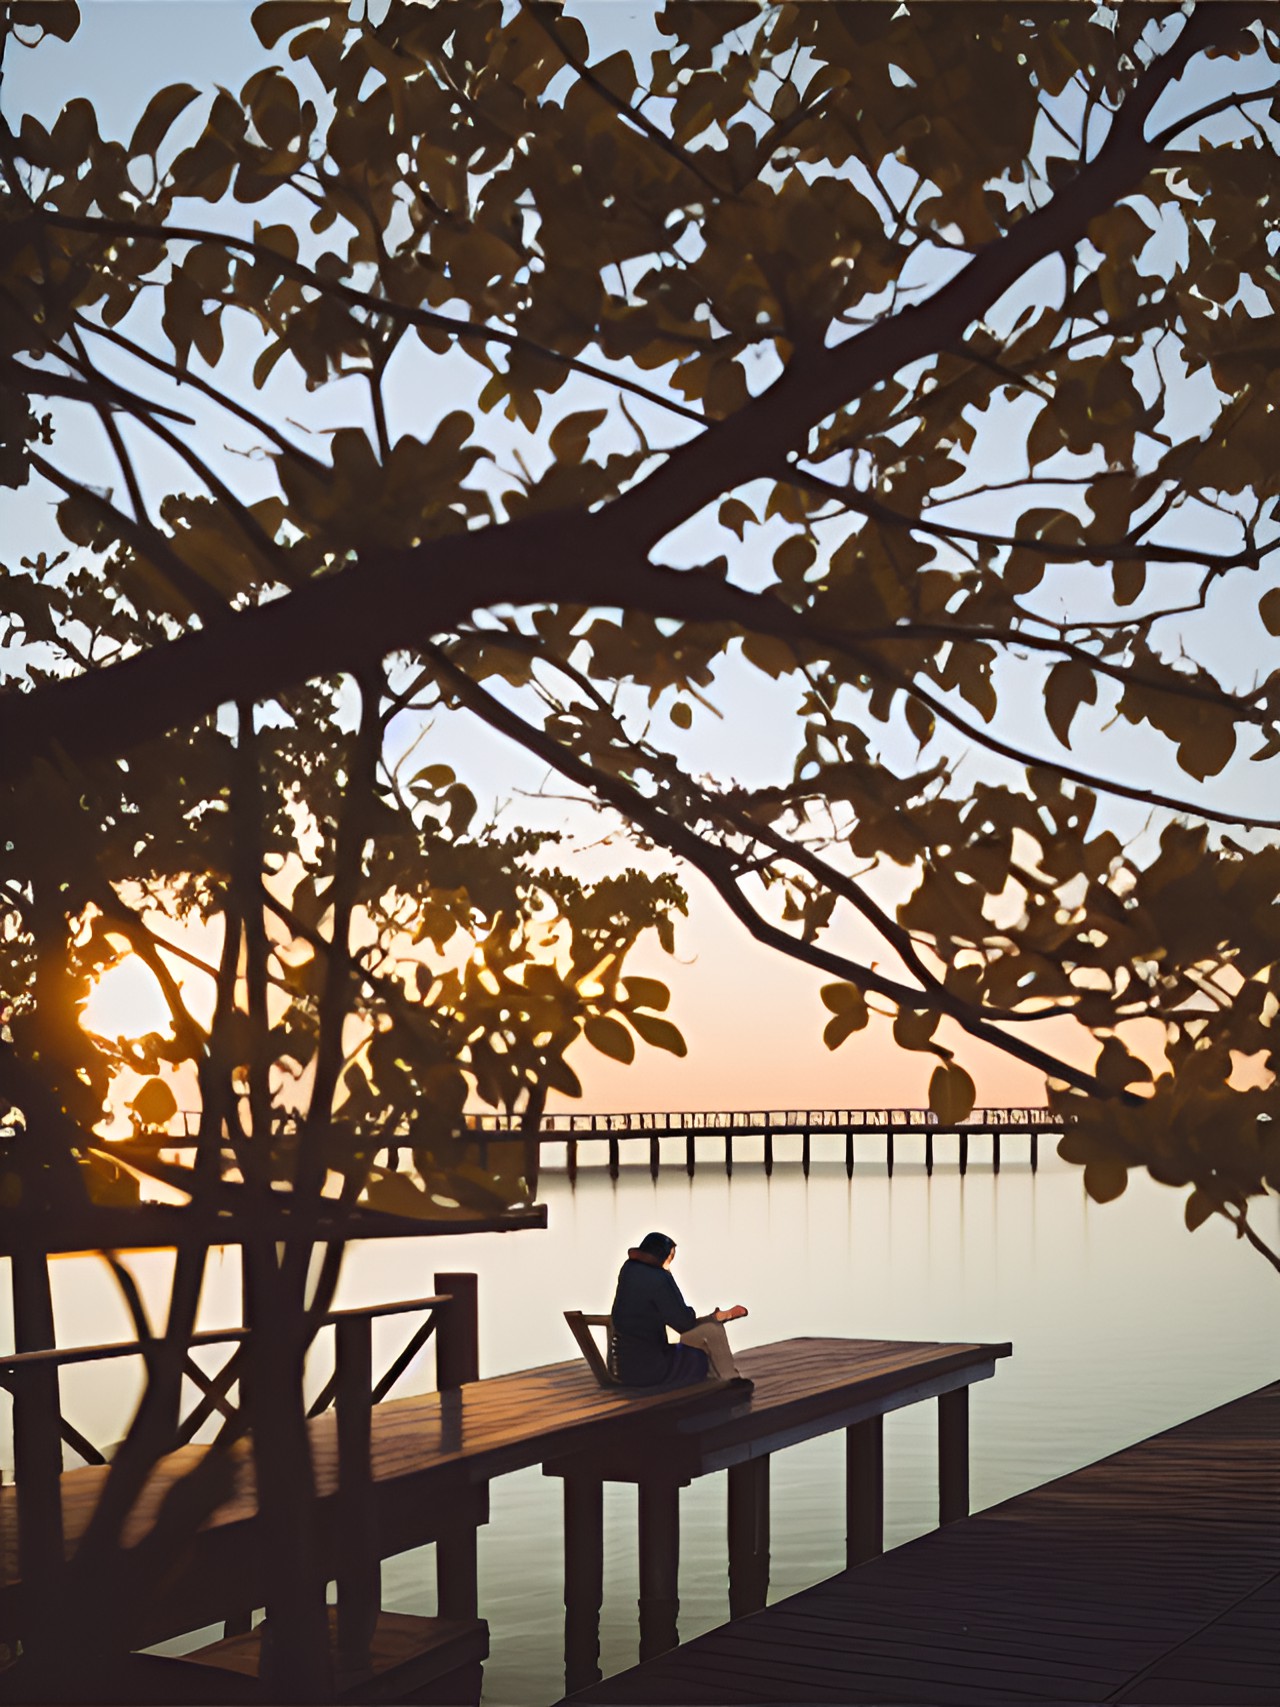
(392, 1474)
(598, 1139)
(1152, 1576)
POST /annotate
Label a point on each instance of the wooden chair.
(580, 1327)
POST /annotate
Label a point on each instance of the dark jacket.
(647, 1302)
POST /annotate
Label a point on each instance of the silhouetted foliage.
(949, 327)
(917, 357)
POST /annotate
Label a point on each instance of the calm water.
(1122, 1324)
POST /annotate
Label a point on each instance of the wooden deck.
(434, 1455)
(1150, 1577)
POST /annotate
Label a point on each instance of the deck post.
(964, 1153)
(37, 1428)
(995, 1152)
(359, 1568)
(888, 1152)
(804, 1155)
(457, 1363)
(848, 1153)
(654, 1156)
(457, 1589)
(864, 1491)
(728, 1153)
(748, 1536)
(613, 1156)
(953, 1455)
(571, 1159)
(37, 1453)
(583, 1579)
(659, 1503)
(928, 1150)
(458, 1331)
(768, 1152)
(689, 1154)
(1035, 1150)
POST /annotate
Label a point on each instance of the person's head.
(659, 1247)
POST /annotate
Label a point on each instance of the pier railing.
(40, 1428)
(887, 1123)
(614, 1129)
(675, 1124)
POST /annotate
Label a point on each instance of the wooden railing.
(39, 1429)
(885, 1122)
(769, 1124)
(673, 1124)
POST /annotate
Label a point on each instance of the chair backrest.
(580, 1327)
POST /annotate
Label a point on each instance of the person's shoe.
(741, 1384)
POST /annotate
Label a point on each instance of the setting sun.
(126, 1002)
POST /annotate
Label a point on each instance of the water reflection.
(1122, 1324)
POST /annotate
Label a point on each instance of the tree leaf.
(155, 1104)
(1071, 684)
(59, 18)
(610, 1037)
(276, 18)
(569, 437)
(914, 1028)
(1199, 1207)
(659, 1033)
(1105, 1180)
(1128, 578)
(162, 109)
(844, 999)
(735, 515)
(951, 1094)
(646, 992)
(842, 1026)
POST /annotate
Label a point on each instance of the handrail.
(366, 1314)
(676, 1121)
(40, 1428)
(375, 1310)
(120, 1348)
(571, 1123)
(208, 1336)
(13, 1364)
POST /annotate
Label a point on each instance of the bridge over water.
(598, 1139)
(574, 1140)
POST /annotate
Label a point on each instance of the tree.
(915, 356)
(818, 253)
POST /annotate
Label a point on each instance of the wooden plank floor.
(1150, 1577)
(429, 1444)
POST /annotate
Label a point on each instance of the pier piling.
(583, 1579)
(748, 1536)
(864, 1491)
(953, 1455)
(659, 1509)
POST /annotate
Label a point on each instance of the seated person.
(647, 1303)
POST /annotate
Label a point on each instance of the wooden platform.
(413, 1659)
(433, 1455)
(803, 1388)
(1150, 1577)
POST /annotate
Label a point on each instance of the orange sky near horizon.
(753, 1020)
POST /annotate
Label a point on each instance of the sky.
(753, 1019)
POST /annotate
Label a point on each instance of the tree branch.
(645, 125)
(675, 835)
(1088, 551)
(463, 330)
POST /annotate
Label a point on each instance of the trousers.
(710, 1338)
